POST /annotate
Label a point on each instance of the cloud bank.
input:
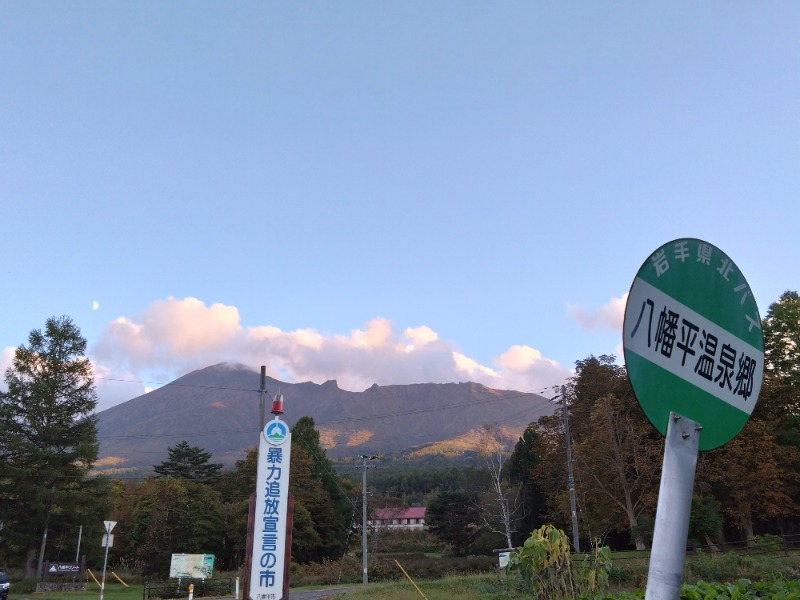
(610, 315)
(174, 336)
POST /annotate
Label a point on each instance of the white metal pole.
(105, 562)
(665, 574)
(78, 551)
(364, 521)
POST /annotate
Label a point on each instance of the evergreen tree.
(333, 528)
(189, 462)
(521, 470)
(236, 487)
(49, 439)
(317, 531)
(454, 518)
(173, 515)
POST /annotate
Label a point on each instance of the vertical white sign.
(272, 497)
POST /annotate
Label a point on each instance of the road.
(318, 594)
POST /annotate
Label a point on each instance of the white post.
(109, 525)
(191, 591)
(105, 562)
(78, 551)
(665, 574)
(236, 596)
(365, 576)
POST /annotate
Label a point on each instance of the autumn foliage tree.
(755, 477)
(616, 453)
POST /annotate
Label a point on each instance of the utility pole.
(261, 391)
(571, 478)
(365, 458)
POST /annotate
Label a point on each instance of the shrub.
(546, 567)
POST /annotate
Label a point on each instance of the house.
(412, 517)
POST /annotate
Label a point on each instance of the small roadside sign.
(692, 340)
(109, 525)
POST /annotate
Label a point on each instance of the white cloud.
(6, 358)
(609, 315)
(174, 336)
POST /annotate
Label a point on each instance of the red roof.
(412, 512)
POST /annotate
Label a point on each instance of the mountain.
(217, 408)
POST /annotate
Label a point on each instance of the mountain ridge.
(217, 408)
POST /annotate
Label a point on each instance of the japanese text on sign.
(270, 517)
(692, 347)
(704, 254)
(272, 499)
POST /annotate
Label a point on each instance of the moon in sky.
(95, 305)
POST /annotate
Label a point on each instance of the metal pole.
(570, 479)
(261, 391)
(667, 557)
(105, 562)
(364, 520)
(78, 551)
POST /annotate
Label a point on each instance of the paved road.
(318, 594)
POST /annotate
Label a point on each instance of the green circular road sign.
(692, 340)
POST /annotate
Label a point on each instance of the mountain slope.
(217, 408)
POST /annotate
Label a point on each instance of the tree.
(453, 517)
(334, 526)
(522, 468)
(173, 515)
(49, 441)
(756, 476)
(189, 462)
(501, 505)
(236, 486)
(781, 330)
(317, 532)
(616, 452)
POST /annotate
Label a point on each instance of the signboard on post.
(196, 566)
(59, 568)
(272, 495)
(692, 340)
(694, 352)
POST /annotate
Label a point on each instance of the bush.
(24, 586)
(397, 540)
(418, 565)
(703, 566)
(546, 568)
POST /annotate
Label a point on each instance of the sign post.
(694, 352)
(108, 541)
(272, 499)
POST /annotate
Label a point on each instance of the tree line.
(50, 498)
(48, 491)
(749, 486)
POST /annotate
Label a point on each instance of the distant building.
(399, 518)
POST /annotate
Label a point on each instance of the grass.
(472, 587)
(113, 591)
(629, 574)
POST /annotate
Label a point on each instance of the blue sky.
(382, 192)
